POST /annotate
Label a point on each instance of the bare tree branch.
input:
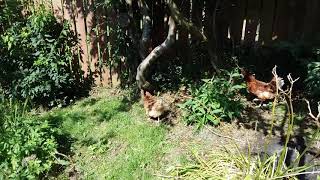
(155, 54)
(316, 118)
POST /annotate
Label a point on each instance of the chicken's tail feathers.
(280, 82)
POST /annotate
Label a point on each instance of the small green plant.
(27, 145)
(216, 100)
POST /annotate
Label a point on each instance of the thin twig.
(316, 118)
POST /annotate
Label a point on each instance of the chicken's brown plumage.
(154, 106)
(262, 90)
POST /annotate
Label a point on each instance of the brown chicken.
(262, 90)
(154, 106)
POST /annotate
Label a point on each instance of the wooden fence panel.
(277, 20)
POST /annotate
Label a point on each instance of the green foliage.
(27, 145)
(36, 59)
(313, 78)
(10, 11)
(215, 101)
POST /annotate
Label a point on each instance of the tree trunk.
(210, 31)
(142, 70)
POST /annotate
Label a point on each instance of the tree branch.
(155, 53)
(316, 118)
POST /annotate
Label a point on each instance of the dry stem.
(316, 118)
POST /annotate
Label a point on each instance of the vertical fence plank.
(237, 17)
(223, 24)
(281, 25)
(103, 26)
(97, 43)
(293, 10)
(158, 32)
(299, 13)
(252, 20)
(267, 19)
(310, 19)
(57, 8)
(196, 19)
(316, 29)
(183, 41)
(196, 14)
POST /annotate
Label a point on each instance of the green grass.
(110, 137)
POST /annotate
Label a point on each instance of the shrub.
(313, 79)
(10, 11)
(215, 100)
(36, 59)
(27, 145)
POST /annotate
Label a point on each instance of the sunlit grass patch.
(112, 138)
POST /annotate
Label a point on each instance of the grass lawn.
(109, 138)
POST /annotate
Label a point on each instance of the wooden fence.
(244, 21)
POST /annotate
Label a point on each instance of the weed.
(215, 101)
(27, 145)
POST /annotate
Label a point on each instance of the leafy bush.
(36, 59)
(215, 101)
(10, 11)
(313, 79)
(27, 145)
